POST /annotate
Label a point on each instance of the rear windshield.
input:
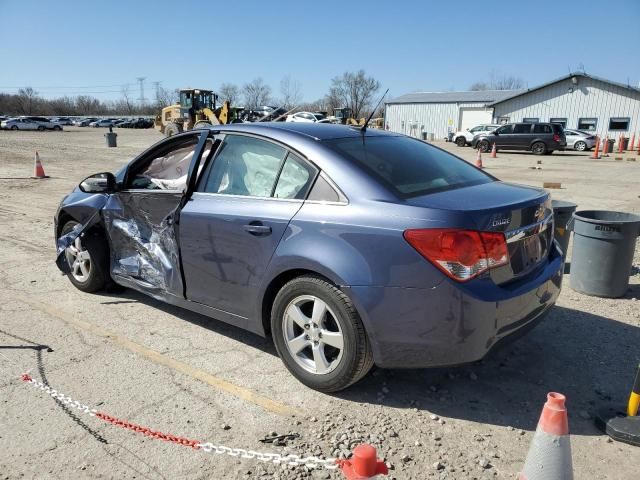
(408, 166)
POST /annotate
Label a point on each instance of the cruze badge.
(500, 221)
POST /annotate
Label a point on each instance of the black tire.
(172, 129)
(357, 356)
(98, 278)
(539, 148)
(14, 127)
(483, 145)
(461, 141)
(40, 128)
(57, 128)
(580, 146)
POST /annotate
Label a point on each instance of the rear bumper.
(452, 323)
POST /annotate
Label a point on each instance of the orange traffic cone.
(605, 149)
(596, 150)
(38, 171)
(493, 150)
(363, 464)
(633, 141)
(549, 455)
(479, 159)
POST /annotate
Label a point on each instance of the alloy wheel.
(312, 334)
(79, 260)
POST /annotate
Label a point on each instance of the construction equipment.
(195, 109)
(343, 116)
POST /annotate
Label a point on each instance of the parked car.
(84, 122)
(579, 140)
(307, 117)
(105, 122)
(44, 123)
(281, 233)
(29, 123)
(465, 137)
(18, 124)
(540, 138)
(62, 120)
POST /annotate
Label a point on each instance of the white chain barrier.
(310, 462)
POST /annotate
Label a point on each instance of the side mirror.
(99, 183)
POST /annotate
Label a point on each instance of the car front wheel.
(88, 260)
(319, 335)
(461, 141)
(483, 145)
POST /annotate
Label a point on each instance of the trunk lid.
(523, 213)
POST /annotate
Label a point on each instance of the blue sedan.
(349, 247)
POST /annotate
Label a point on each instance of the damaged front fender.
(84, 209)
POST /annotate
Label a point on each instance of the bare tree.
(256, 93)
(230, 92)
(291, 91)
(354, 90)
(126, 100)
(27, 98)
(166, 97)
(499, 82)
(479, 86)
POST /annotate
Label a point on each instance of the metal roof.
(564, 77)
(479, 96)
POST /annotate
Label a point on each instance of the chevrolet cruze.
(349, 247)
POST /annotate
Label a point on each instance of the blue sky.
(407, 45)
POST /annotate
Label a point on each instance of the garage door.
(472, 117)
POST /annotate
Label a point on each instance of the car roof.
(315, 131)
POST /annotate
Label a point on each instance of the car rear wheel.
(14, 127)
(461, 141)
(483, 145)
(57, 128)
(580, 146)
(319, 335)
(40, 128)
(88, 260)
(539, 148)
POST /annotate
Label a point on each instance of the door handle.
(257, 228)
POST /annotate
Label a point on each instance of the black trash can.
(612, 143)
(603, 247)
(424, 136)
(111, 139)
(562, 213)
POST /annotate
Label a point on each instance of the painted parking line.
(223, 385)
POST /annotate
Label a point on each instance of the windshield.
(408, 166)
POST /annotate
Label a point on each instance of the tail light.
(556, 137)
(461, 254)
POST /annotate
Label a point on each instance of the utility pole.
(156, 85)
(141, 99)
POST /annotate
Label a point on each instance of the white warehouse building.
(577, 100)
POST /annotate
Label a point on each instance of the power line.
(65, 87)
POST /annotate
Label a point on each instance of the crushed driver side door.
(141, 217)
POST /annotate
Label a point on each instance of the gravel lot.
(181, 373)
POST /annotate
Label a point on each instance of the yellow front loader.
(195, 109)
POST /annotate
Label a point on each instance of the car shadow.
(124, 296)
(589, 358)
